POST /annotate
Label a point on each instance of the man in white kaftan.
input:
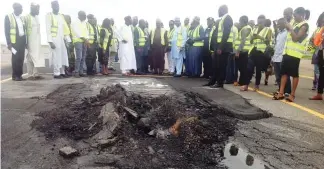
(34, 57)
(57, 30)
(126, 50)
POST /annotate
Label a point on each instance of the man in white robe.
(34, 57)
(126, 50)
(57, 30)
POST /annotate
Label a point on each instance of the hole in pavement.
(237, 158)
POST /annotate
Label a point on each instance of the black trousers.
(91, 58)
(256, 61)
(242, 63)
(17, 60)
(219, 64)
(207, 62)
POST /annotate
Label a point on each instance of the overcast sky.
(165, 10)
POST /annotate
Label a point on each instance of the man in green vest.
(196, 43)
(222, 47)
(81, 42)
(16, 40)
(93, 44)
(140, 39)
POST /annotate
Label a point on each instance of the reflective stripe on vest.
(170, 35)
(258, 43)
(98, 36)
(141, 38)
(196, 34)
(295, 49)
(247, 44)
(91, 33)
(162, 36)
(106, 38)
(54, 25)
(221, 29)
(234, 32)
(13, 25)
(83, 29)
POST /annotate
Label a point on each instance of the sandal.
(244, 89)
(289, 99)
(278, 97)
(316, 98)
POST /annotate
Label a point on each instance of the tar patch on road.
(177, 131)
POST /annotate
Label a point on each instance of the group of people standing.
(218, 52)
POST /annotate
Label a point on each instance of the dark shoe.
(64, 75)
(176, 75)
(209, 84)
(58, 77)
(21, 79)
(216, 86)
(112, 69)
(83, 75)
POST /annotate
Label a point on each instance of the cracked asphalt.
(288, 140)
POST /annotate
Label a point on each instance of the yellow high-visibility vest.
(54, 25)
(91, 33)
(180, 37)
(98, 37)
(234, 32)
(170, 35)
(106, 39)
(258, 43)
(28, 24)
(13, 26)
(83, 29)
(162, 36)
(296, 49)
(141, 37)
(221, 30)
(196, 34)
(247, 44)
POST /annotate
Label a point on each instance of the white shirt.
(77, 27)
(20, 26)
(279, 46)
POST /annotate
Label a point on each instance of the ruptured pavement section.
(262, 136)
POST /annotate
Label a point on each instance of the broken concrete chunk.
(151, 150)
(162, 134)
(107, 142)
(106, 111)
(131, 112)
(68, 152)
(144, 122)
(152, 133)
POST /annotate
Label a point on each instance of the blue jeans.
(81, 52)
(277, 68)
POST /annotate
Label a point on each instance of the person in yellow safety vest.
(231, 70)
(70, 49)
(140, 38)
(178, 41)
(294, 51)
(58, 33)
(242, 47)
(288, 15)
(186, 23)
(113, 47)
(106, 35)
(206, 53)
(80, 38)
(159, 40)
(260, 40)
(168, 48)
(196, 42)
(252, 24)
(222, 41)
(91, 55)
(34, 57)
(16, 41)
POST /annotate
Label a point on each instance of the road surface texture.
(270, 134)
